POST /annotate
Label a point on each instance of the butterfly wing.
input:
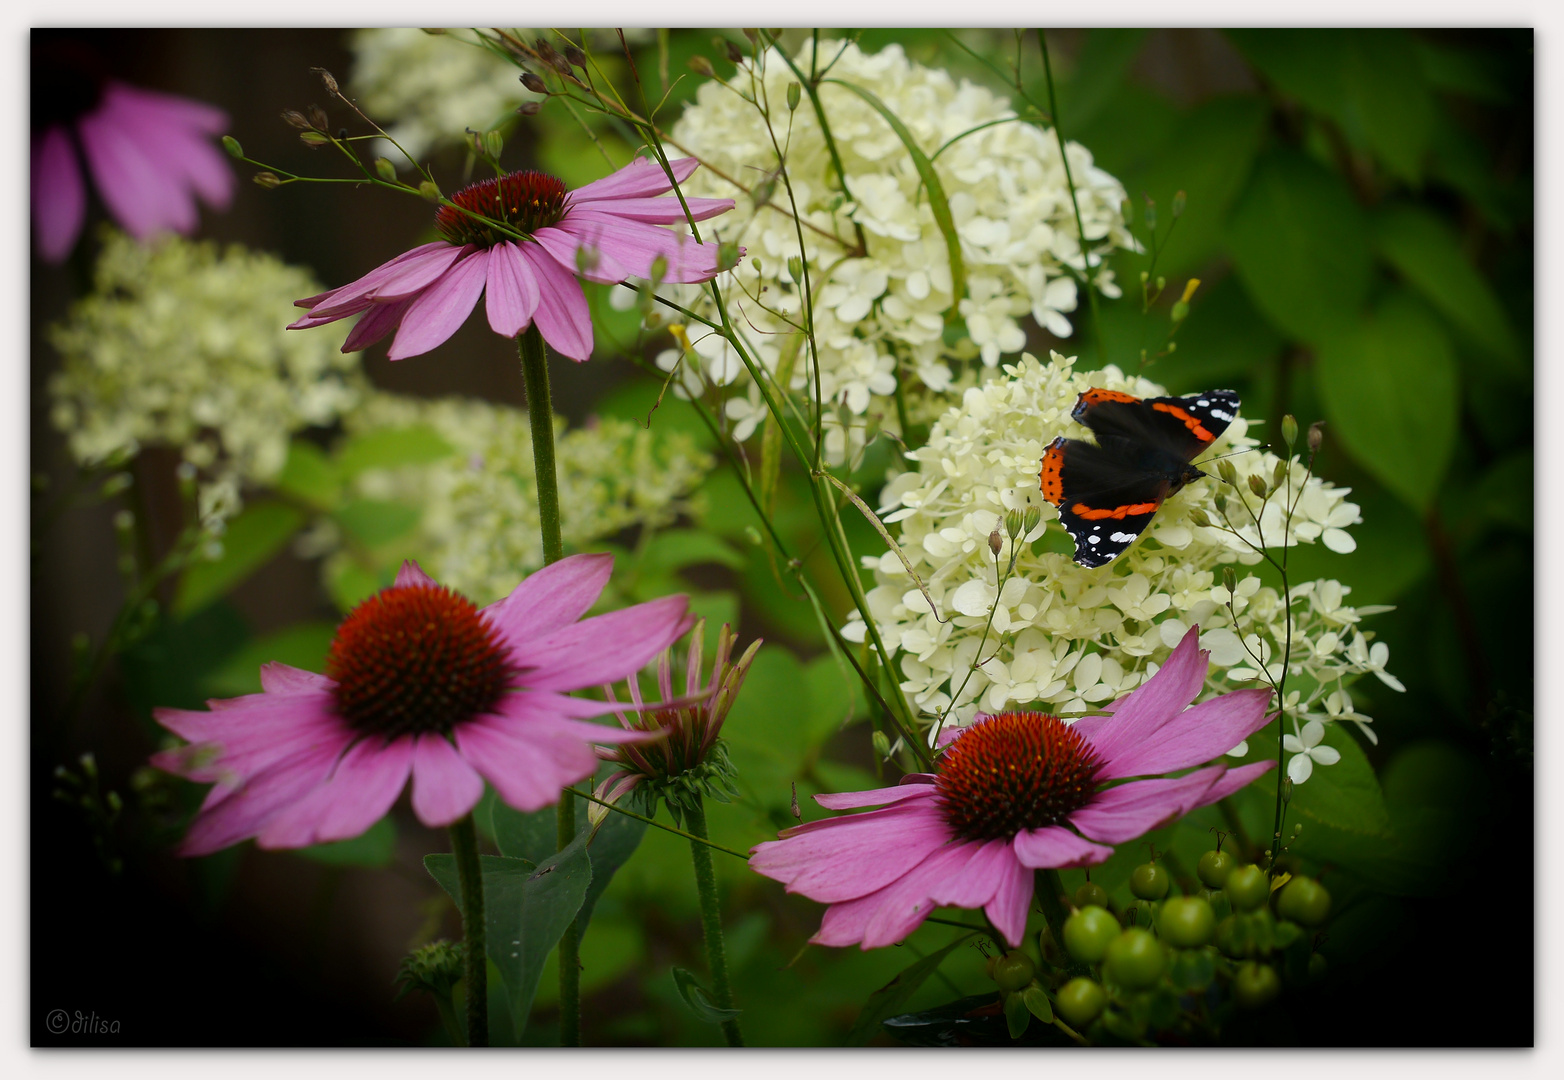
(1134, 427)
(1103, 504)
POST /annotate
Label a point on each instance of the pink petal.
(356, 794)
(663, 211)
(844, 858)
(1234, 780)
(550, 599)
(59, 194)
(246, 811)
(133, 186)
(527, 773)
(975, 883)
(628, 248)
(1055, 848)
(375, 324)
(351, 298)
(181, 111)
(562, 315)
(641, 178)
(1140, 715)
(512, 293)
(1195, 736)
(605, 648)
(441, 309)
(526, 714)
(888, 915)
(277, 678)
(412, 574)
(851, 800)
(1012, 897)
(445, 787)
(1122, 813)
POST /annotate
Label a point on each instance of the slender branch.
(711, 918)
(469, 872)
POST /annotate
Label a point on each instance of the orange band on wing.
(1119, 513)
(1196, 428)
(1053, 462)
(1095, 395)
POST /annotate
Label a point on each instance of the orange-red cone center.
(526, 201)
(1015, 771)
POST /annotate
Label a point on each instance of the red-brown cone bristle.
(1012, 772)
(527, 201)
(416, 659)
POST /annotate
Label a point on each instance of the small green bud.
(493, 143)
(1289, 430)
(795, 269)
(231, 145)
(1279, 474)
(752, 34)
(386, 170)
(268, 180)
(758, 265)
(1225, 470)
(1031, 520)
(430, 191)
(882, 744)
(1014, 524)
(313, 139)
(1316, 436)
(659, 270)
(794, 92)
(1180, 312)
(1258, 485)
(1199, 517)
(1179, 202)
(1229, 579)
(702, 66)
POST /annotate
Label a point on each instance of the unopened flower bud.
(1179, 201)
(529, 108)
(1199, 517)
(430, 191)
(493, 143)
(1287, 790)
(318, 118)
(794, 92)
(386, 170)
(327, 80)
(1229, 579)
(231, 145)
(1316, 435)
(268, 180)
(728, 255)
(1014, 524)
(996, 543)
(294, 118)
(533, 83)
(1181, 307)
(1225, 470)
(1030, 520)
(1289, 430)
(575, 57)
(795, 269)
(1258, 485)
(561, 65)
(1279, 474)
(659, 270)
(882, 744)
(753, 35)
(702, 66)
(1151, 213)
(313, 139)
(735, 54)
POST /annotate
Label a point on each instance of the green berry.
(1213, 868)
(1187, 922)
(1247, 888)
(1080, 1001)
(1013, 970)
(1089, 932)
(1090, 895)
(1255, 985)
(1303, 900)
(1135, 959)
(1148, 881)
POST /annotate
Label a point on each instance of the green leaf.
(1427, 253)
(390, 448)
(534, 836)
(376, 848)
(526, 910)
(309, 475)
(256, 534)
(373, 522)
(349, 583)
(1300, 245)
(1036, 1001)
(694, 995)
(1468, 72)
(1345, 796)
(1392, 395)
(1099, 70)
(674, 549)
(937, 201)
(889, 999)
(302, 646)
(1017, 1015)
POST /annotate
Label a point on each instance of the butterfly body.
(1108, 491)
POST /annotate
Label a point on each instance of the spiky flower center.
(526, 201)
(1015, 771)
(414, 660)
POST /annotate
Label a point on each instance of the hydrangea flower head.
(1014, 793)
(150, 155)
(520, 240)
(420, 683)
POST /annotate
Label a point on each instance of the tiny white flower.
(1307, 751)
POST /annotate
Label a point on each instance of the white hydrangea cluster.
(479, 530)
(1069, 638)
(183, 344)
(881, 309)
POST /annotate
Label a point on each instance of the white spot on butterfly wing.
(1122, 538)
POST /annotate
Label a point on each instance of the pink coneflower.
(420, 681)
(1015, 793)
(149, 155)
(606, 232)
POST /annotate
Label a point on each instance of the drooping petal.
(562, 315)
(660, 211)
(375, 324)
(977, 882)
(604, 648)
(551, 598)
(851, 800)
(445, 786)
(1235, 780)
(848, 857)
(1194, 736)
(133, 187)
(628, 249)
(246, 811)
(412, 574)
(441, 308)
(511, 292)
(179, 111)
(526, 713)
(890, 913)
(355, 795)
(641, 178)
(277, 678)
(527, 773)
(1055, 848)
(59, 194)
(350, 299)
(1012, 898)
(1143, 713)
(1122, 813)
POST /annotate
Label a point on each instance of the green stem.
(448, 1017)
(540, 411)
(569, 942)
(1049, 888)
(711, 918)
(469, 872)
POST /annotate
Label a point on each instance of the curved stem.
(469, 872)
(711, 918)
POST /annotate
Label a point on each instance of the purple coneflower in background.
(420, 682)
(1012, 794)
(606, 231)
(150, 155)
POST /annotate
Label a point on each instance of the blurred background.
(1360, 215)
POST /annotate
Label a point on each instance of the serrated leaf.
(1404, 437)
(694, 995)
(888, 999)
(309, 475)
(391, 448)
(257, 533)
(376, 848)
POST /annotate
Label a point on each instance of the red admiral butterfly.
(1107, 492)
